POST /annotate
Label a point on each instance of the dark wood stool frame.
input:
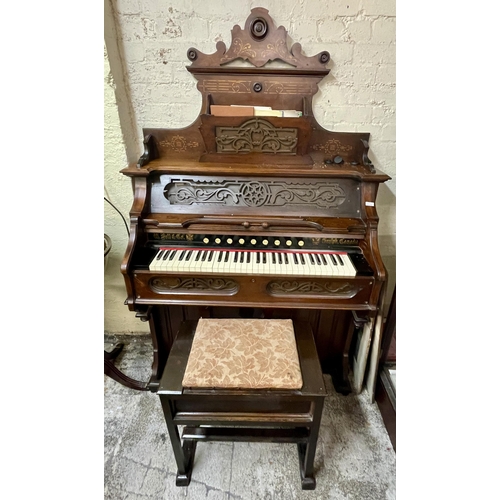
(280, 416)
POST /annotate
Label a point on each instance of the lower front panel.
(255, 291)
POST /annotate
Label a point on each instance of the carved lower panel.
(322, 194)
(256, 136)
(193, 286)
(333, 289)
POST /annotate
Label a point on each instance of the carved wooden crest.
(259, 42)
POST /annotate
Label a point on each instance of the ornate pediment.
(259, 42)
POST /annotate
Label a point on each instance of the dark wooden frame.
(385, 393)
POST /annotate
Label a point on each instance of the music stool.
(243, 380)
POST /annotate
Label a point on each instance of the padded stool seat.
(243, 380)
(243, 354)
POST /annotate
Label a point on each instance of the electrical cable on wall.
(121, 215)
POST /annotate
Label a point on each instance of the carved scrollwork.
(312, 288)
(193, 285)
(256, 136)
(254, 193)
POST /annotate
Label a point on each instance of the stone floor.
(354, 458)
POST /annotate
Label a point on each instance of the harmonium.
(257, 211)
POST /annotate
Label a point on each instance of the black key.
(312, 260)
(248, 257)
(226, 258)
(257, 258)
(323, 259)
(285, 256)
(198, 257)
(204, 256)
(302, 259)
(166, 255)
(273, 255)
(280, 261)
(210, 255)
(242, 257)
(340, 260)
(333, 259)
(295, 259)
(220, 256)
(188, 256)
(172, 255)
(160, 254)
(235, 257)
(264, 258)
(318, 260)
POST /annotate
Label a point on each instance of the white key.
(259, 269)
(247, 263)
(215, 267)
(343, 269)
(164, 261)
(288, 261)
(226, 261)
(323, 266)
(304, 268)
(349, 264)
(332, 271)
(181, 262)
(156, 262)
(265, 266)
(313, 267)
(294, 263)
(172, 262)
(339, 267)
(188, 260)
(190, 264)
(198, 264)
(206, 265)
(233, 262)
(273, 263)
(335, 265)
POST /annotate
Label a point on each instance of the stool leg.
(307, 451)
(184, 453)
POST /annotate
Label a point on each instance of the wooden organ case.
(257, 216)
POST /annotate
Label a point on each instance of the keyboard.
(266, 262)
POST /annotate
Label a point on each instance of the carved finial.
(259, 42)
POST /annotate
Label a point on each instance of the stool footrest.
(297, 435)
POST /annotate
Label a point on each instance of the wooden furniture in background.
(385, 394)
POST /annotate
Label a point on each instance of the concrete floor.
(354, 458)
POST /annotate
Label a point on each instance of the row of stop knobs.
(253, 241)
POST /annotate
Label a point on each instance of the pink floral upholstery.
(243, 354)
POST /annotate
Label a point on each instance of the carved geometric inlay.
(270, 87)
(193, 286)
(254, 193)
(311, 288)
(332, 146)
(178, 143)
(256, 136)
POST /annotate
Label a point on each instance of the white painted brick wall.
(358, 95)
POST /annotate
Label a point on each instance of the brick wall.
(147, 41)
